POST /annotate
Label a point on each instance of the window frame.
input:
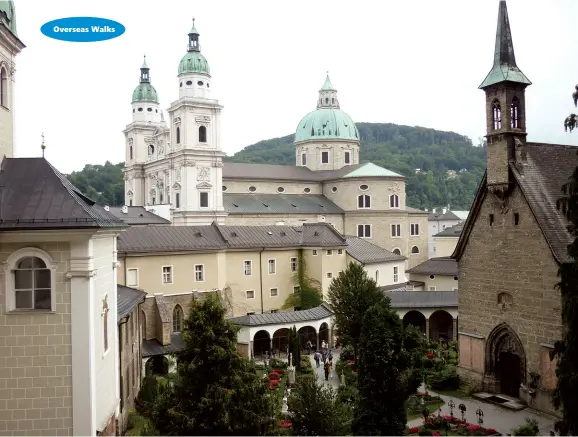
(329, 252)
(394, 201)
(414, 253)
(303, 159)
(274, 264)
(339, 251)
(364, 201)
(250, 267)
(397, 228)
(163, 274)
(137, 277)
(347, 157)
(182, 318)
(201, 195)
(271, 292)
(395, 274)
(364, 231)
(329, 275)
(293, 261)
(10, 279)
(247, 294)
(314, 252)
(413, 227)
(202, 271)
(324, 153)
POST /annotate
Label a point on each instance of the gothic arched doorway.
(506, 360)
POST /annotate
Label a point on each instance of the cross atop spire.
(505, 68)
(194, 39)
(43, 146)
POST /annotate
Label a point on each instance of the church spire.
(505, 68)
(327, 95)
(194, 39)
(144, 72)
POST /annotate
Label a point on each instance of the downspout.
(120, 362)
(261, 277)
(125, 269)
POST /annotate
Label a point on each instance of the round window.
(200, 83)
(139, 109)
(363, 187)
(334, 189)
(455, 278)
(307, 190)
(224, 188)
(150, 109)
(280, 189)
(252, 189)
(431, 276)
(189, 82)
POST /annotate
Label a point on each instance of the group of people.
(325, 357)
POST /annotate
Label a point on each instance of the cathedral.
(177, 163)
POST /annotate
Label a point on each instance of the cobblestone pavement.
(498, 418)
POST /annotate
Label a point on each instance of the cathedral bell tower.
(505, 87)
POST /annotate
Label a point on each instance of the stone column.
(144, 367)
(427, 328)
(270, 345)
(330, 335)
(455, 328)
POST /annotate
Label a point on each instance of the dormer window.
(496, 115)
(515, 113)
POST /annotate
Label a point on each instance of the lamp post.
(480, 415)
(452, 405)
(463, 409)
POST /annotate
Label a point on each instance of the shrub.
(274, 375)
(530, 428)
(424, 431)
(347, 354)
(278, 364)
(445, 379)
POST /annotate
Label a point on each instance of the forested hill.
(402, 149)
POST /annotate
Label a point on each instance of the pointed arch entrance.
(506, 360)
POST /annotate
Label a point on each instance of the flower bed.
(442, 425)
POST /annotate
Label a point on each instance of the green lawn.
(431, 407)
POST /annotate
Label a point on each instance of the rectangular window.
(347, 157)
(329, 275)
(204, 200)
(132, 278)
(414, 229)
(272, 267)
(329, 252)
(274, 311)
(296, 289)
(199, 273)
(395, 275)
(130, 202)
(167, 275)
(339, 251)
(396, 230)
(177, 200)
(161, 196)
(274, 292)
(364, 231)
(293, 264)
(154, 200)
(303, 159)
(324, 157)
(250, 294)
(364, 201)
(248, 268)
(314, 252)
(432, 288)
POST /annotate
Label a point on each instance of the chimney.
(426, 210)
(124, 209)
(444, 210)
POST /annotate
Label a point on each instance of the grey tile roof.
(405, 286)
(444, 266)
(411, 210)
(151, 348)
(279, 204)
(547, 169)
(34, 195)
(316, 313)
(220, 237)
(423, 299)
(452, 231)
(138, 215)
(368, 253)
(127, 299)
(440, 216)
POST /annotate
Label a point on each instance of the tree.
(566, 350)
(350, 295)
(317, 410)
(308, 293)
(295, 347)
(382, 393)
(216, 391)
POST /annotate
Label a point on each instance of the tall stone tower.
(141, 146)
(505, 87)
(195, 129)
(10, 46)
(327, 138)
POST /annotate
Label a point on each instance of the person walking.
(326, 369)
(317, 358)
(330, 369)
(309, 347)
(330, 355)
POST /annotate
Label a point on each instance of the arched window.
(202, 134)
(415, 249)
(394, 201)
(3, 88)
(33, 283)
(177, 319)
(130, 152)
(515, 113)
(143, 325)
(396, 251)
(496, 115)
(105, 323)
(178, 135)
(363, 201)
(377, 276)
(151, 150)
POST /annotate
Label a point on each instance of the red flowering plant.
(430, 356)
(413, 430)
(284, 423)
(274, 376)
(490, 431)
(280, 371)
(435, 433)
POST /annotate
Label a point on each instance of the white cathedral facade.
(177, 164)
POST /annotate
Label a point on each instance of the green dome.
(145, 92)
(8, 15)
(326, 123)
(194, 62)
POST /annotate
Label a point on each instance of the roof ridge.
(220, 232)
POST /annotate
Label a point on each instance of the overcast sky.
(405, 62)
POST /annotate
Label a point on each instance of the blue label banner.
(83, 29)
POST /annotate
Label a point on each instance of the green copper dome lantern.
(145, 92)
(194, 61)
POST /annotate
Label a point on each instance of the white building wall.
(383, 273)
(435, 227)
